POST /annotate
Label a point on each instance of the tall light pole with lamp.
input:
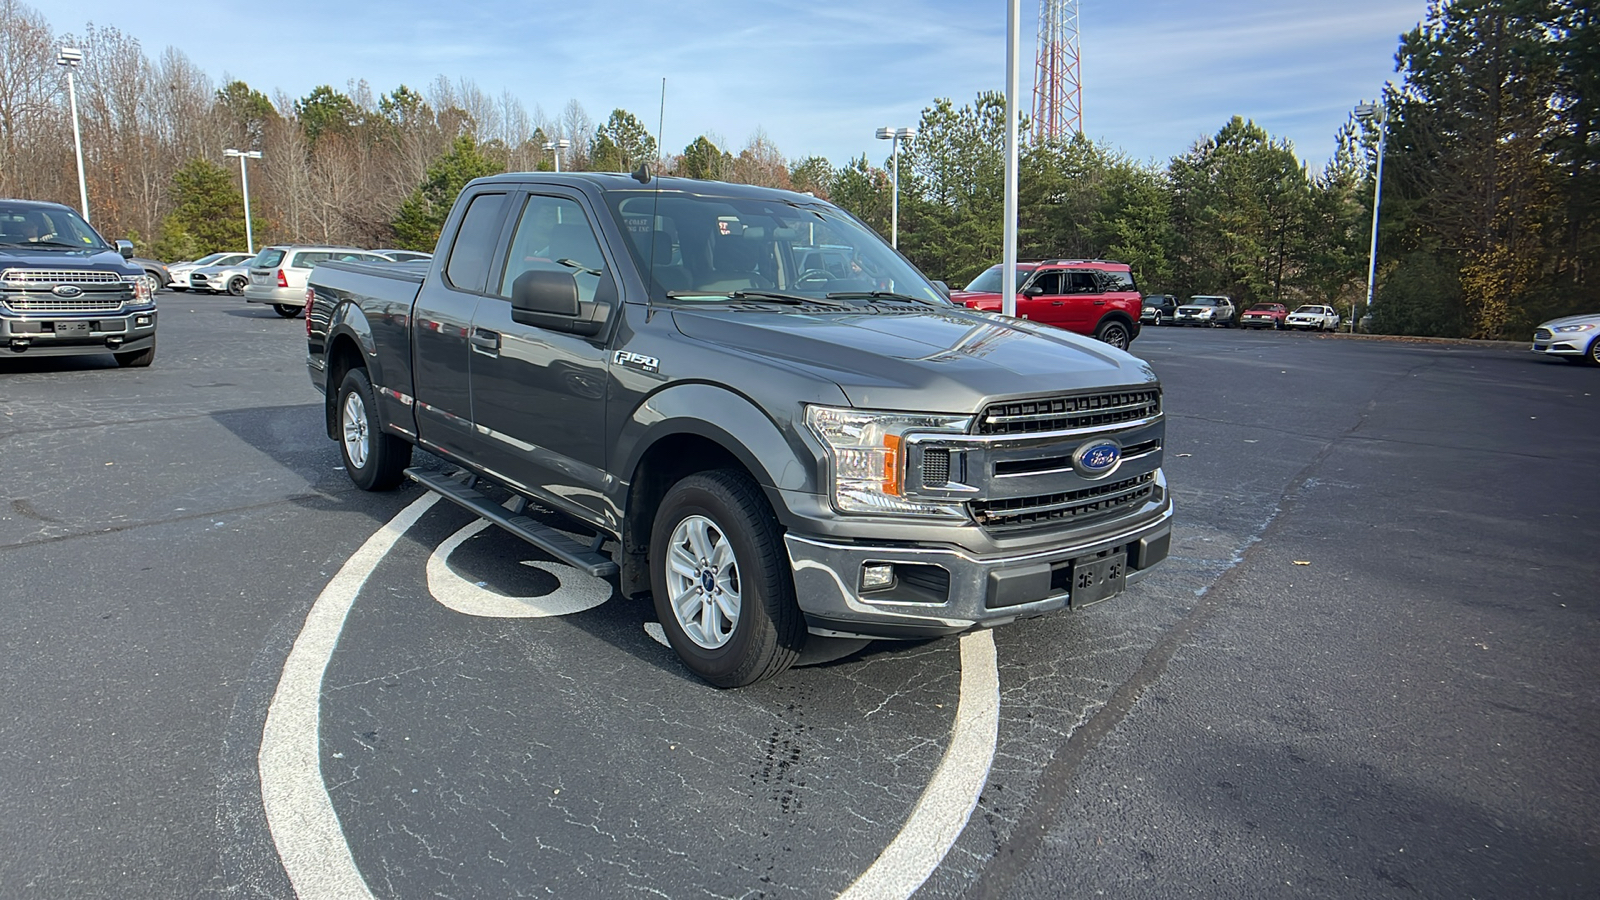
(1373, 113)
(896, 135)
(70, 58)
(556, 147)
(244, 176)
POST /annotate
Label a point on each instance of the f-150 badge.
(636, 361)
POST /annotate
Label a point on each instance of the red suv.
(1094, 297)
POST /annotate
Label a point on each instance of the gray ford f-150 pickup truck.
(777, 448)
(65, 291)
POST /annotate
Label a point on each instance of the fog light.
(877, 576)
(141, 321)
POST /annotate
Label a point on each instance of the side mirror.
(125, 248)
(1033, 290)
(546, 299)
(943, 289)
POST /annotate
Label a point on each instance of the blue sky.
(817, 76)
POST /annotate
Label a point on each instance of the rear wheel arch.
(343, 355)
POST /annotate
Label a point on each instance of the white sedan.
(1572, 338)
(1313, 317)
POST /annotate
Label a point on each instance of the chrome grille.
(51, 304)
(59, 276)
(1080, 505)
(1064, 413)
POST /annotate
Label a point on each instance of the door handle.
(485, 342)
(1099, 303)
(1057, 302)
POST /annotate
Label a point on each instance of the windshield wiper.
(768, 296)
(885, 295)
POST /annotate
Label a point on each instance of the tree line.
(1489, 196)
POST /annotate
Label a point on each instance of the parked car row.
(276, 275)
(1219, 311)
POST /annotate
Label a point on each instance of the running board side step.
(587, 558)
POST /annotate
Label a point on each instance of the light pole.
(70, 58)
(1375, 114)
(244, 176)
(895, 135)
(557, 147)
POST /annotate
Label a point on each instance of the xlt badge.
(636, 361)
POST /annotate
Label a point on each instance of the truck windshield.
(47, 227)
(700, 248)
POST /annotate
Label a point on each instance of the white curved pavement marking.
(306, 829)
(952, 794)
(300, 813)
(577, 590)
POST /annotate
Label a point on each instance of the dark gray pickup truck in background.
(782, 425)
(66, 291)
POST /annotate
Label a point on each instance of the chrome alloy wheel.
(703, 582)
(353, 418)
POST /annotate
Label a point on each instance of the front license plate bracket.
(72, 329)
(1097, 578)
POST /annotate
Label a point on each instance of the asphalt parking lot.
(1368, 670)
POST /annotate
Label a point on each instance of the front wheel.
(720, 580)
(1593, 356)
(236, 285)
(287, 311)
(375, 461)
(1114, 333)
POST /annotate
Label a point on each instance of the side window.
(1047, 284)
(554, 235)
(307, 260)
(468, 267)
(1082, 283)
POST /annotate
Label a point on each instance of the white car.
(221, 279)
(1572, 338)
(181, 271)
(1313, 317)
(278, 274)
(1204, 309)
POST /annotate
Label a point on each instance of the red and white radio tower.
(1057, 81)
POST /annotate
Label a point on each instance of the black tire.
(287, 311)
(137, 359)
(1114, 333)
(180, 289)
(383, 457)
(236, 285)
(733, 522)
(1593, 356)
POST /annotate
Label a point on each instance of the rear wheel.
(720, 580)
(137, 359)
(375, 461)
(1114, 333)
(287, 311)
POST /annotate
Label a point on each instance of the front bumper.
(1576, 345)
(62, 335)
(946, 589)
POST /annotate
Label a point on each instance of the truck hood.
(104, 259)
(929, 360)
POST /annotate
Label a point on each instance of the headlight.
(1568, 329)
(867, 459)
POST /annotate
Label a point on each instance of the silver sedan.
(1572, 338)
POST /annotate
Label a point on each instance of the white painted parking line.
(952, 794)
(576, 590)
(311, 843)
(300, 813)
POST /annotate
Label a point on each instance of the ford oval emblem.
(67, 290)
(1097, 459)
